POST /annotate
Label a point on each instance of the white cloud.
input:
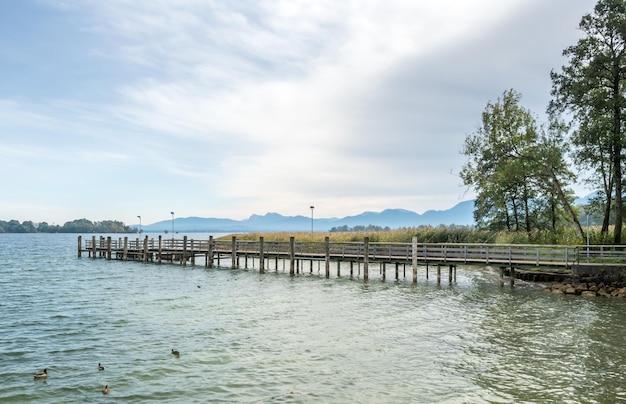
(242, 107)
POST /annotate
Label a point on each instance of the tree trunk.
(619, 205)
(617, 157)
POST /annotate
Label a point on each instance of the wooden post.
(233, 255)
(366, 258)
(209, 261)
(327, 255)
(384, 271)
(125, 254)
(501, 276)
(292, 255)
(160, 247)
(183, 258)
(438, 274)
(512, 276)
(93, 246)
(80, 245)
(108, 247)
(193, 253)
(414, 258)
(338, 269)
(397, 278)
(351, 268)
(261, 257)
(450, 273)
(145, 249)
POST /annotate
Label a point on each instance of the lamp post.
(312, 207)
(139, 223)
(172, 224)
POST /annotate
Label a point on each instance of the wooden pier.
(530, 262)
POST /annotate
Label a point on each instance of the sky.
(110, 110)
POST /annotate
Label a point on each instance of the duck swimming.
(106, 389)
(100, 367)
(175, 352)
(40, 375)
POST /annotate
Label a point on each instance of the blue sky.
(114, 109)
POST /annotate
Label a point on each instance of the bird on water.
(175, 352)
(106, 389)
(100, 367)
(40, 375)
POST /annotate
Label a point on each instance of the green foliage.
(518, 171)
(591, 90)
(75, 226)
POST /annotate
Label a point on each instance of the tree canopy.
(590, 89)
(518, 170)
(75, 226)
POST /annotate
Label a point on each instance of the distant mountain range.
(461, 214)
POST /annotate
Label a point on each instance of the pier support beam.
(160, 251)
(233, 254)
(414, 258)
(261, 256)
(327, 255)
(366, 258)
(209, 258)
(292, 255)
(145, 249)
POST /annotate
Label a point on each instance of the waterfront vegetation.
(75, 226)
(439, 234)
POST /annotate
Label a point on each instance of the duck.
(175, 352)
(106, 389)
(39, 375)
(100, 367)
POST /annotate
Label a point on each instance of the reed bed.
(440, 234)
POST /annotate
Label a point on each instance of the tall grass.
(440, 234)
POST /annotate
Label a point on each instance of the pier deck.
(532, 262)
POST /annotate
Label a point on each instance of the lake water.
(256, 338)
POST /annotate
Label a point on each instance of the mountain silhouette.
(461, 215)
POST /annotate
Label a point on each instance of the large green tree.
(518, 170)
(590, 88)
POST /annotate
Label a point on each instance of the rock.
(588, 293)
(570, 290)
(557, 291)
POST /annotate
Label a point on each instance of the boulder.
(570, 290)
(557, 291)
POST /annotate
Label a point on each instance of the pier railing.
(556, 258)
(469, 253)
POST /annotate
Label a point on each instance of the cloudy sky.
(118, 108)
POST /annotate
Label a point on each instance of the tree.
(518, 170)
(591, 88)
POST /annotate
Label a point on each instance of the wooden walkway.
(525, 259)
